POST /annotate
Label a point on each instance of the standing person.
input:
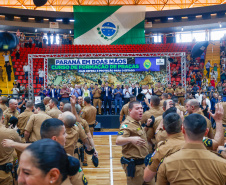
(49, 38)
(58, 96)
(132, 137)
(107, 97)
(180, 93)
(65, 92)
(36, 40)
(208, 65)
(118, 98)
(54, 112)
(8, 70)
(199, 79)
(54, 37)
(15, 92)
(159, 89)
(32, 129)
(11, 111)
(3, 101)
(22, 89)
(41, 75)
(6, 57)
(76, 91)
(223, 75)
(6, 154)
(137, 90)
(91, 94)
(96, 98)
(26, 69)
(23, 119)
(215, 67)
(127, 93)
(193, 159)
(147, 92)
(198, 96)
(42, 92)
(1, 73)
(175, 140)
(86, 92)
(88, 113)
(17, 55)
(64, 38)
(205, 108)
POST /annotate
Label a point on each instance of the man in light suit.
(107, 97)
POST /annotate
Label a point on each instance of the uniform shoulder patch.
(124, 126)
(138, 129)
(120, 133)
(207, 142)
(76, 124)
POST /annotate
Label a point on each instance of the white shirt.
(106, 89)
(6, 57)
(199, 97)
(127, 94)
(148, 96)
(15, 92)
(208, 103)
(41, 74)
(26, 68)
(52, 93)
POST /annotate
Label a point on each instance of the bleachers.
(37, 63)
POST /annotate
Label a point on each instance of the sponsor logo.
(147, 64)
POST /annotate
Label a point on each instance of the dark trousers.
(208, 72)
(9, 76)
(107, 101)
(26, 75)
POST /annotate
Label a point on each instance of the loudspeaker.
(39, 2)
(9, 17)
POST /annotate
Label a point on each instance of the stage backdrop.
(145, 70)
(109, 25)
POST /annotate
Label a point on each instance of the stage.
(107, 121)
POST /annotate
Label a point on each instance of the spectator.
(205, 81)
(26, 69)
(36, 40)
(1, 73)
(22, 89)
(42, 92)
(76, 91)
(204, 97)
(8, 70)
(127, 93)
(6, 57)
(54, 37)
(219, 88)
(15, 91)
(18, 34)
(65, 93)
(58, 92)
(49, 38)
(198, 96)
(192, 81)
(194, 89)
(212, 81)
(52, 92)
(175, 72)
(205, 108)
(148, 93)
(107, 97)
(64, 38)
(41, 75)
(26, 92)
(22, 40)
(86, 92)
(22, 105)
(223, 75)
(30, 41)
(118, 98)
(208, 65)
(17, 54)
(199, 79)
(17, 83)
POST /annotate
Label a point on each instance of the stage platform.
(107, 121)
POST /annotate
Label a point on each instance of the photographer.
(22, 104)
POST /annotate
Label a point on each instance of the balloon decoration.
(40, 2)
(199, 48)
(8, 41)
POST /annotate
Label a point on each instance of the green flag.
(109, 25)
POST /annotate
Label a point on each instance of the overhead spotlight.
(182, 29)
(220, 25)
(70, 31)
(36, 30)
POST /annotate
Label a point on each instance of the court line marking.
(101, 169)
(111, 165)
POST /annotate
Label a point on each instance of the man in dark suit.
(52, 92)
(137, 90)
(58, 92)
(107, 97)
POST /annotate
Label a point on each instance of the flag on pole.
(109, 25)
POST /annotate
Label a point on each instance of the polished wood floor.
(102, 174)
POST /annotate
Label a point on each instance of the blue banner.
(147, 64)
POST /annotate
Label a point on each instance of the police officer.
(158, 89)
(192, 106)
(3, 101)
(180, 92)
(53, 129)
(32, 129)
(125, 109)
(194, 164)
(132, 137)
(169, 89)
(23, 119)
(11, 111)
(97, 98)
(88, 113)
(80, 102)
(172, 124)
(155, 109)
(46, 101)
(6, 154)
(54, 112)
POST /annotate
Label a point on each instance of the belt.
(96, 98)
(92, 126)
(136, 161)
